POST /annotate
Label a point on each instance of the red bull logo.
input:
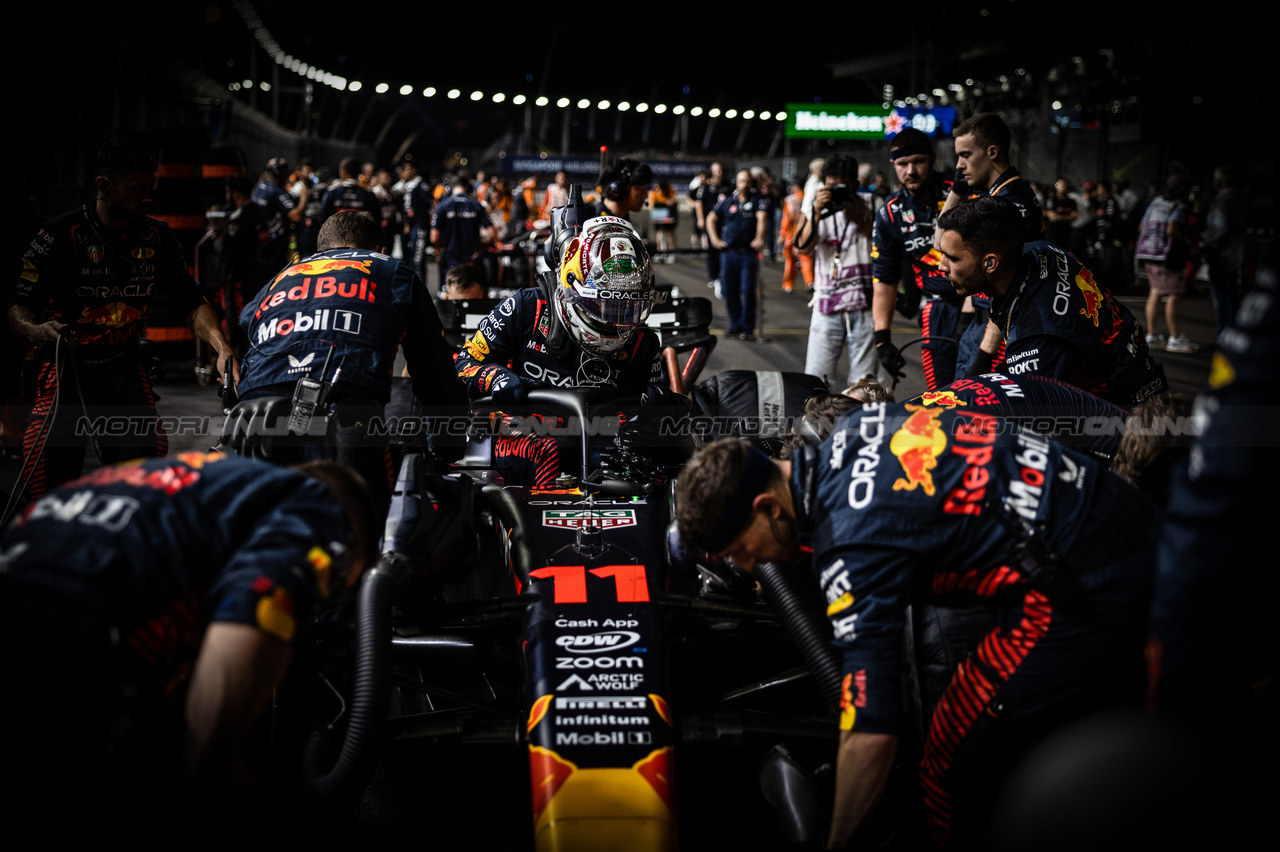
(1093, 297)
(942, 399)
(320, 267)
(112, 315)
(917, 445)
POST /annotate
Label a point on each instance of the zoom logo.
(597, 643)
(599, 663)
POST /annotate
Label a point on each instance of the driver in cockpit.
(582, 328)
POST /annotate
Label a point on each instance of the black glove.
(890, 358)
(959, 185)
(502, 384)
(981, 364)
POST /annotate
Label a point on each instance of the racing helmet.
(605, 287)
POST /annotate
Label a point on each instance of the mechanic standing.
(585, 333)
(906, 504)
(324, 335)
(82, 298)
(983, 169)
(904, 232)
(1054, 319)
(149, 611)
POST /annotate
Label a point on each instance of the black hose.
(342, 784)
(508, 510)
(809, 630)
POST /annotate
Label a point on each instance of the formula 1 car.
(569, 626)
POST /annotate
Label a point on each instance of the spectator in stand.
(1164, 243)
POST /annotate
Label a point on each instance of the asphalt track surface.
(433, 799)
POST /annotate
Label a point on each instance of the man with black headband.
(904, 231)
(908, 504)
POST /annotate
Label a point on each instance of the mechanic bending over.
(335, 321)
(586, 332)
(906, 504)
(149, 611)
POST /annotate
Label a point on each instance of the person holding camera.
(836, 230)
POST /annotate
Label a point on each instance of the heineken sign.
(864, 121)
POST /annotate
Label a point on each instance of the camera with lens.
(840, 194)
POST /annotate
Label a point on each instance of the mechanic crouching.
(911, 504)
(323, 338)
(585, 332)
(149, 611)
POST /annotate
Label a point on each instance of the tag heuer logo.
(578, 518)
(95, 253)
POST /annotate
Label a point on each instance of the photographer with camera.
(836, 230)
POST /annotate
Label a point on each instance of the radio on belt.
(309, 396)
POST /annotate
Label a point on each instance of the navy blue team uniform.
(459, 219)
(1008, 185)
(1214, 644)
(908, 509)
(904, 232)
(1039, 404)
(739, 262)
(109, 583)
(275, 203)
(357, 306)
(100, 283)
(512, 344)
(1058, 322)
(349, 195)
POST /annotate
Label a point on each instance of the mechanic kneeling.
(148, 612)
(322, 343)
